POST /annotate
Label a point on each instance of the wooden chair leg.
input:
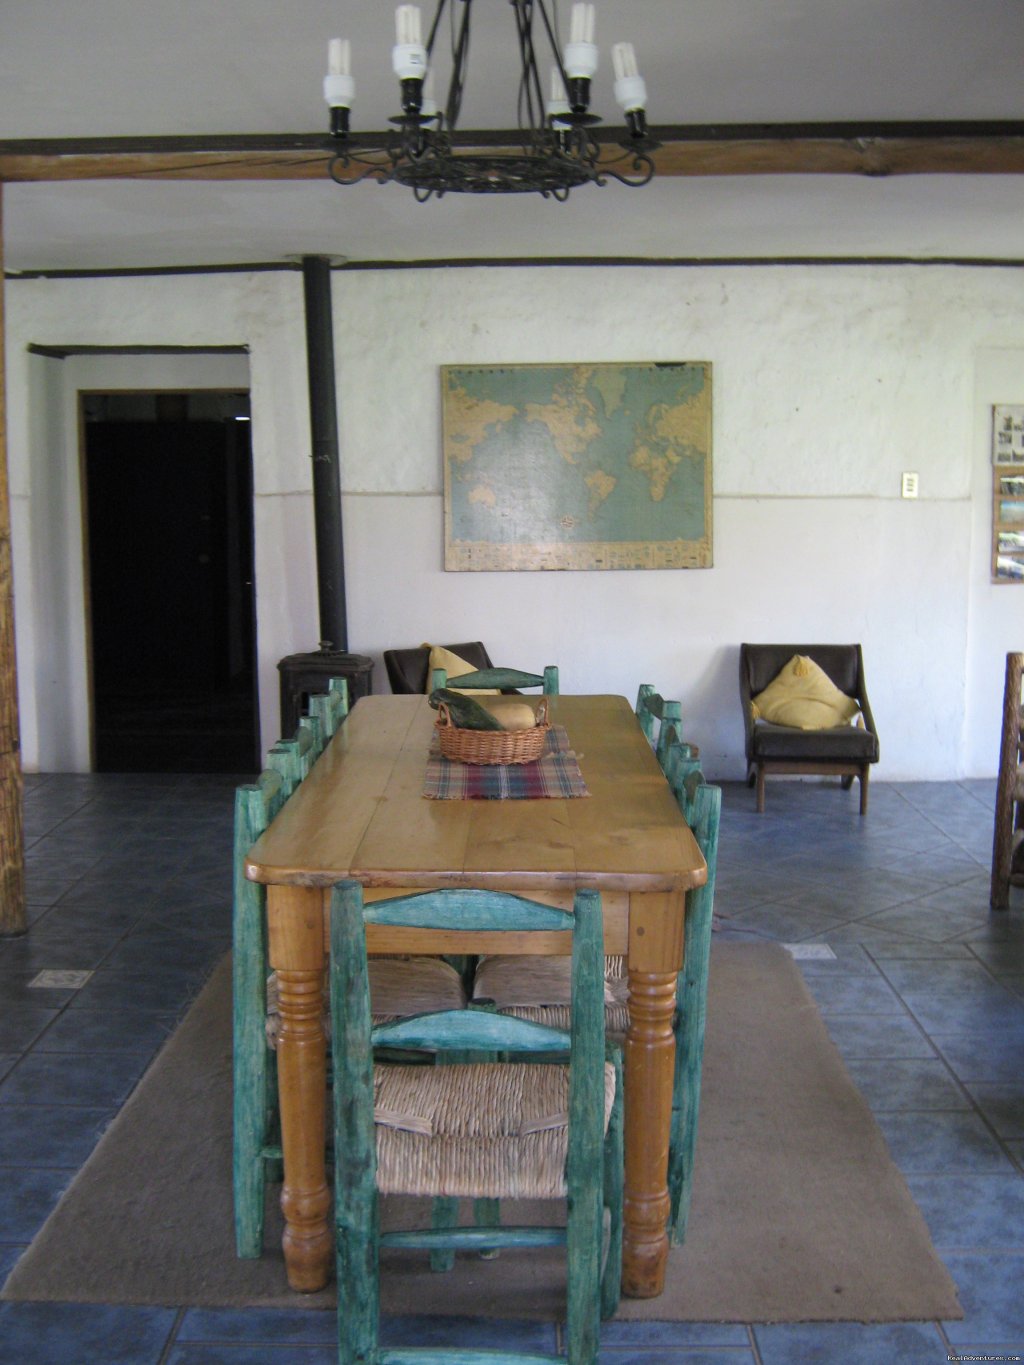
(864, 789)
(691, 1015)
(356, 1205)
(444, 1213)
(487, 1214)
(583, 1251)
(611, 1275)
(251, 1084)
(584, 1166)
(357, 1254)
(760, 789)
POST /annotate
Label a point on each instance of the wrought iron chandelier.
(555, 149)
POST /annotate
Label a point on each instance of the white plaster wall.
(55, 512)
(828, 382)
(777, 577)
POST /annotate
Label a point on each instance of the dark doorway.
(168, 487)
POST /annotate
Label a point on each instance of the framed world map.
(577, 466)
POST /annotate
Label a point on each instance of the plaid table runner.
(555, 773)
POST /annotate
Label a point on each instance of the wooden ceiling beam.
(871, 149)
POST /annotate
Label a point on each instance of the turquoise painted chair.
(401, 1129)
(293, 758)
(661, 721)
(702, 806)
(540, 992)
(680, 762)
(399, 987)
(330, 708)
(499, 679)
(256, 1137)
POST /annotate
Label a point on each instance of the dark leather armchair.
(845, 750)
(408, 668)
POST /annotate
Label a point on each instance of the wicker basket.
(492, 746)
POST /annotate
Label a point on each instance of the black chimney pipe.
(304, 674)
(323, 420)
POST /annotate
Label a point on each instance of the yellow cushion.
(802, 695)
(455, 667)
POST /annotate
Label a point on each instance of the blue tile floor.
(922, 989)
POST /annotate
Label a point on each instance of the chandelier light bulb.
(408, 56)
(581, 28)
(339, 87)
(429, 106)
(580, 59)
(623, 61)
(630, 88)
(407, 25)
(558, 103)
(339, 57)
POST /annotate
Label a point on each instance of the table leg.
(296, 942)
(655, 954)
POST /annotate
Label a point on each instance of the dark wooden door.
(169, 518)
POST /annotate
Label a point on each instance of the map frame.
(498, 383)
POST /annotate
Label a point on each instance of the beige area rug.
(798, 1212)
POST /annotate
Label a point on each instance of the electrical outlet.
(909, 485)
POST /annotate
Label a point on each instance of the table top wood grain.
(361, 813)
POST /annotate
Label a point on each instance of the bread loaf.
(511, 712)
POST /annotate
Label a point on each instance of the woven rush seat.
(540, 989)
(491, 1130)
(399, 986)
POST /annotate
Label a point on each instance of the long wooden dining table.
(361, 813)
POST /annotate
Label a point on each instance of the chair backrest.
(330, 708)
(651, 707)
(256, 804)
(702, 809)
(293, 758)
(680, 765)
(312, 725)
(502, 679)
(408, 669)
(459, 1034)
(759, 664)
(644, 714)
(691, 784)
(481, 911)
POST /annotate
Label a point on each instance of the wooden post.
(1008, 802)
(12, 844)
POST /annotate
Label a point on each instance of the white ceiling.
(147, 68)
